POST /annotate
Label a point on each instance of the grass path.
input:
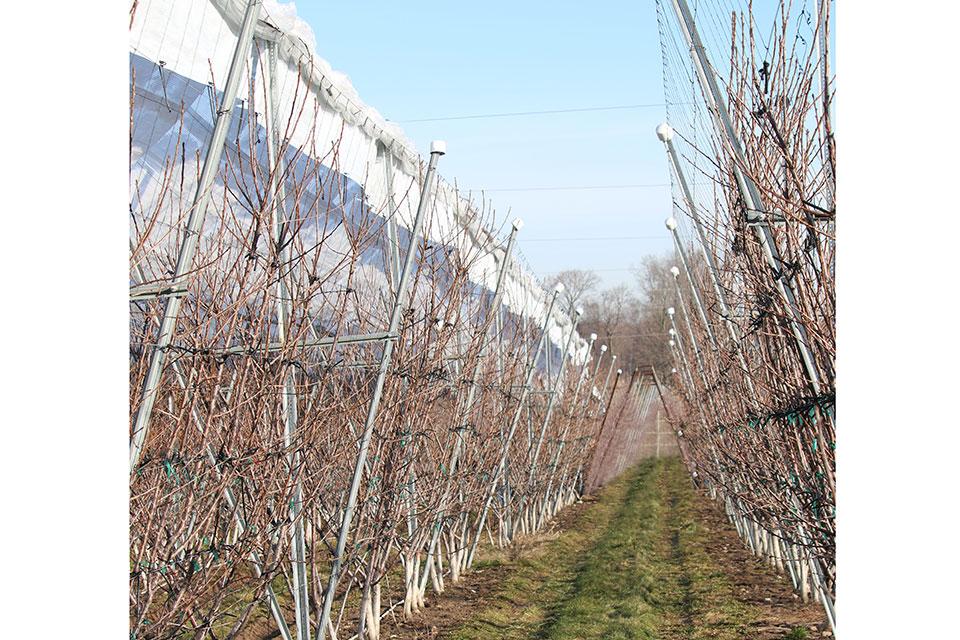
(648, 559)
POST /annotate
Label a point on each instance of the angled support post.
(587, 410)
(665, 134)
(517, 414)
(437, 149)
(606, 383)
(188, 249)
(566, 428)
(675, 272)
(555, 391)
(596, 461)
(393, 235)
(671, 224)
(748, 190)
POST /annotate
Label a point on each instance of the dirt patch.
(481, 587)
(777, 609)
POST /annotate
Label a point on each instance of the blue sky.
(420, 59)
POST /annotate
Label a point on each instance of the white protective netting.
(193, 41)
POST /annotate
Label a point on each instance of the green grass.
(543, 576)
(632, 568)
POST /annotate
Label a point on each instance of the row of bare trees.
(343, 415)
(752, 316)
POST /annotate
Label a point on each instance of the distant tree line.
(630, 319)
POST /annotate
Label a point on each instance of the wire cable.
(512, 114)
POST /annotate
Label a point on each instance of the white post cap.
(438, 146)
(670, 311)
(672, 332)
(518, 224)
(603, 347)
(593, 337)
(559, 288)
(578, 311)
(664, 132)
(671, 223)
(675, 271)
(619, 371)
(673, 370)
(672, 343)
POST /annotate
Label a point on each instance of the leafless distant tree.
(656, 285)
(578, 285)
(612, 314)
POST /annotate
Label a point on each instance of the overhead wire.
(512, 114)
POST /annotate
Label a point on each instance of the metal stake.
(524, 392)
(288, 398)
(665, 133)
(437, 149)
(748, 190)
(555, 391)
(188, 249)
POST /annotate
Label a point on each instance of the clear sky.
(430, 59)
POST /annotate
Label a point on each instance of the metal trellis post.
(665, 134)
(288, 397)
(747, 188)
(188, 249)
(521, 401)
(437, 149)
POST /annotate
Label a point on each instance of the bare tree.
(578, 285)
(656, 284)
(612, 315)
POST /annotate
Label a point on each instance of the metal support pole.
(613, 391)
(188, 249)
(583, 371)
(686, 368)
(437, 149)
(552, 399)
(606, 382)
(566, 429)
(748, 190)
(393, 236)
(676, 341)
(483, 330)
(686, 317)
(288, 398)
(603, 423)
(521, 401)
(694, 289)
(551, 402)
(663, 400)
(822, 86)
(665, 133)
(587, 410)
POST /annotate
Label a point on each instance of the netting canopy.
(336, 146)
